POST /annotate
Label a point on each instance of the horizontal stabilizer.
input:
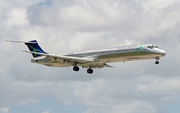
(21, 42)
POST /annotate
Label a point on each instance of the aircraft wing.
(83, 61)
(75, 59)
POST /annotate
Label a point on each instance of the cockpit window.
(152, 46)
(156, 47)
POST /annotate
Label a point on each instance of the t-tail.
(34, 47)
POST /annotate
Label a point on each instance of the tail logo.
(35, 50)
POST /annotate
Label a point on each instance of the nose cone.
(163, 53)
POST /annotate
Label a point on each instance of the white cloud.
(161, 86)
(99, 15)
(78, 25)
(17, 17)
(131, 107)
(5, 110)
(135, 106)
(158, 5)
(47, 111)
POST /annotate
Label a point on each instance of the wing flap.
(95, 65)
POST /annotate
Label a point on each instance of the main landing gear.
(89, 71)
(76, 68)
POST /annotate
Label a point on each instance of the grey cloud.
(81, 25)
(98, 16)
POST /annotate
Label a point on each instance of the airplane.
(93, 59)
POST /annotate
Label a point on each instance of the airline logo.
(35, 49)
(140, 48)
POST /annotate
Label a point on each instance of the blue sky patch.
(46, 2)
(173, 108)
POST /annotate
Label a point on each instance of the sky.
(79, 25)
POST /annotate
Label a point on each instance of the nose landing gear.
(157, 60)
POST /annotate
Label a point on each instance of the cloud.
(76, 25)
(17, 17)
(47, 111)
(135, 106)
(5, 110)
(96, 16)
(164, 87)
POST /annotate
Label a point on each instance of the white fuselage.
(106, 56)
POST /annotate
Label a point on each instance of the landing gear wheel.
(90, 71)
(76, 68)
(157, 62)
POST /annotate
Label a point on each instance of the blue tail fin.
(34, 47)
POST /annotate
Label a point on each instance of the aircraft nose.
(163, 52)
